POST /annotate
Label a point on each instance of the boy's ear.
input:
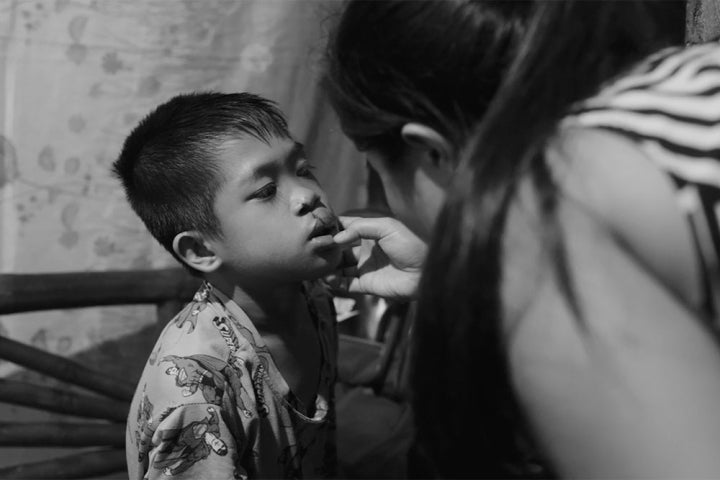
(436, 153)
(192, 249)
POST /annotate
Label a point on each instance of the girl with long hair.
(566, 308)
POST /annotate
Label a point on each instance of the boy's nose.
(305, 202)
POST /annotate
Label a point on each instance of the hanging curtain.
(76, 76)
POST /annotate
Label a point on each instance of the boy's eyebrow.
(270, 167)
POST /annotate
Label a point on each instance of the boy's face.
(275, 222)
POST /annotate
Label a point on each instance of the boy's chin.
(325, 264)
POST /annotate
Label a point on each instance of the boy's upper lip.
(325, 223)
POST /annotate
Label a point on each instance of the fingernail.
(341, 237)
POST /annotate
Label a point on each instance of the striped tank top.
(669, 105)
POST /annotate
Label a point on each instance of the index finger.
(356, 228)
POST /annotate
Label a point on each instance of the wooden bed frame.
(109, 401)
(365, 360)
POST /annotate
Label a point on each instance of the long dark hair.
(468, 418)
(437, 62)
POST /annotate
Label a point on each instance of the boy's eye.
(268, 191)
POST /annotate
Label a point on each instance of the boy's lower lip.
(323, 226)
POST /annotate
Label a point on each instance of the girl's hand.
(383, 257)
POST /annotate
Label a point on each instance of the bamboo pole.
(50, 291)
(65, 369)
(62, 401)
(90, 464)
(35, 434)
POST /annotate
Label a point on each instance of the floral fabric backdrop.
(75, 77)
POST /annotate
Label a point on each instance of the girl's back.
(627, 385)
(669, 108)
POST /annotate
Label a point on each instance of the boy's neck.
(269, 307)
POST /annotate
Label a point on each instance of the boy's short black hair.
(168, 162)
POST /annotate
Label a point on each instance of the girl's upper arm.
(631, 388)
(613, 179)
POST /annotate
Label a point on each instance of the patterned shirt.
(669, 105)
(212, 404)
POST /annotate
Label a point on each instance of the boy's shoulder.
(210, 360)
(213, 325)
(196, 348)
(199, 352)
(195, 327)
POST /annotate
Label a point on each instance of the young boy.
(240, 383)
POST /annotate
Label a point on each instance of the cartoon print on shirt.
(249, 336)
(231, 340)
(152, 359)
(238, 375)
(145, 431)
(144, 437)
(209, 375)
(197, 372)
(181, 448)
(260, 370)
(234, 362)
(183, 319)
(195, 308)
(198, 304)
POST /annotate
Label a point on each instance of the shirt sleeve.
(193, 413)
(191, 442)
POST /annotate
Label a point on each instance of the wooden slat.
(64, 369)
(49, 291)
(62, 401)
(88, 464)
(34, 434)
(167, 289)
